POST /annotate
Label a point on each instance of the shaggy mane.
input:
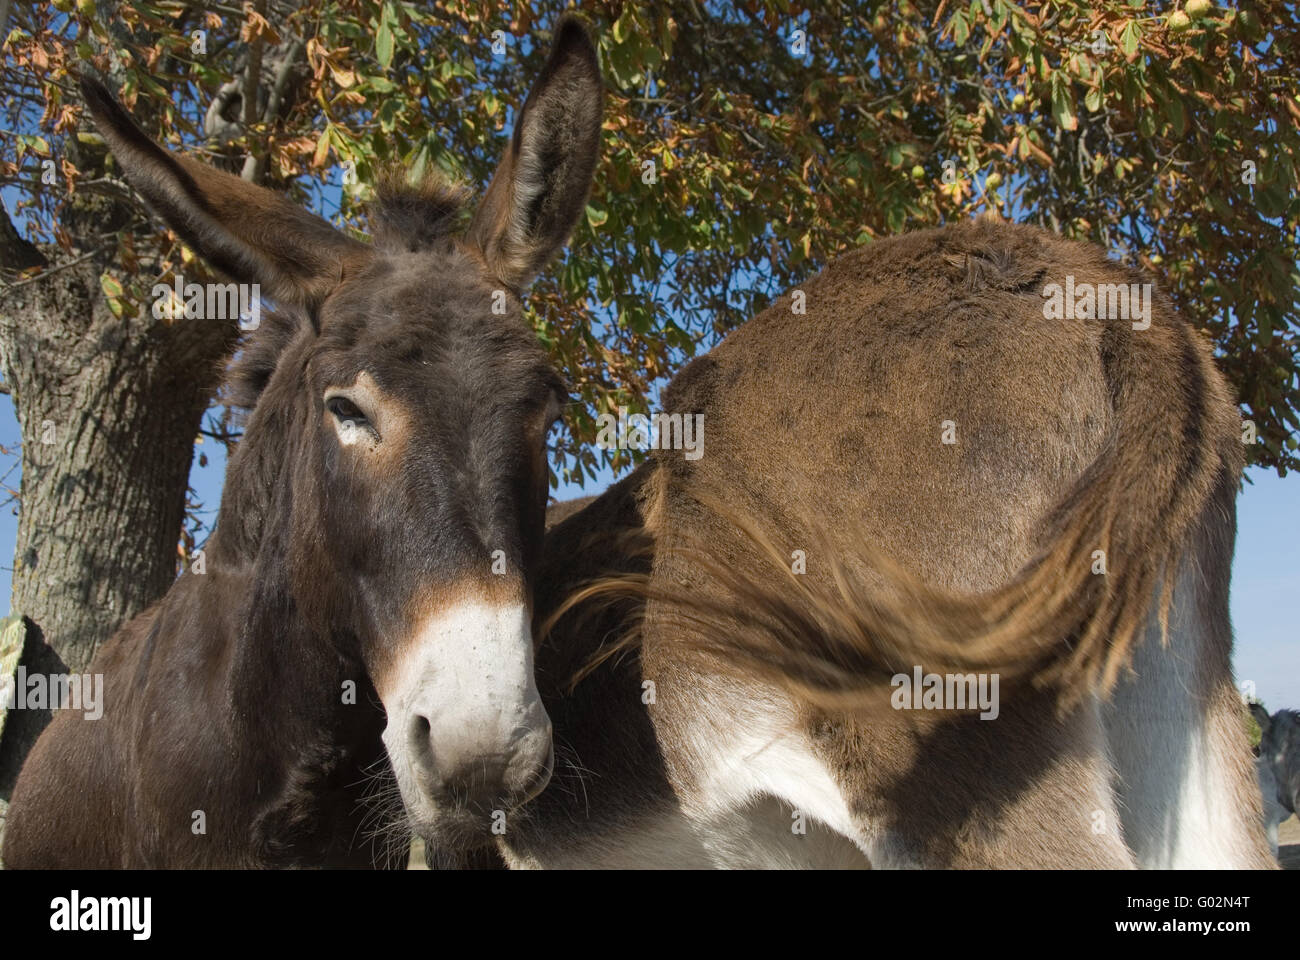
(404, 215)
(414, 215)
(249, 367)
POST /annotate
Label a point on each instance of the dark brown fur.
(227, 697)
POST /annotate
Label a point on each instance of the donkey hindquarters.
(923, 408)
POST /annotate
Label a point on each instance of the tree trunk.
(109, 409)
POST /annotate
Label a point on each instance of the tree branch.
(7, 288)
(252, 77)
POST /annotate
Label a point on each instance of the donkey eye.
(345, 410)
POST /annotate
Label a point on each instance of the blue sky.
(1265, 581)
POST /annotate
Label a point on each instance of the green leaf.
(960, 28)
(1271, 199)
(322, 146)
(1063, 104)
(112, 289)
(384, 38)
(1129, 37)
(625, 24)
(387, 114)
(1177, 115)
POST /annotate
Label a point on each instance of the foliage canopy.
(745, 145)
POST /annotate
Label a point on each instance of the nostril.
(421, 743)
(538, 779)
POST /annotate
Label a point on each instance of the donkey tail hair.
(1068, 619)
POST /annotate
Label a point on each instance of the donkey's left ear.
(540, 188)
(248, 232)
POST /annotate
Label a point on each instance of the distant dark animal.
(1278, 766)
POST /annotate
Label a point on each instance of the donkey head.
(405, 498)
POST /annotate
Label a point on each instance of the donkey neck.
(273, 659)
(302, 720)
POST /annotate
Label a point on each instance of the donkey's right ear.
(540, 188)
(248, 232)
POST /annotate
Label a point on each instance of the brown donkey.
(920, 474)
(350, 625)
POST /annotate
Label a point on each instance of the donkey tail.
(1069, 618)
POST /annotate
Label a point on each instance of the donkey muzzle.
(467, 731)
